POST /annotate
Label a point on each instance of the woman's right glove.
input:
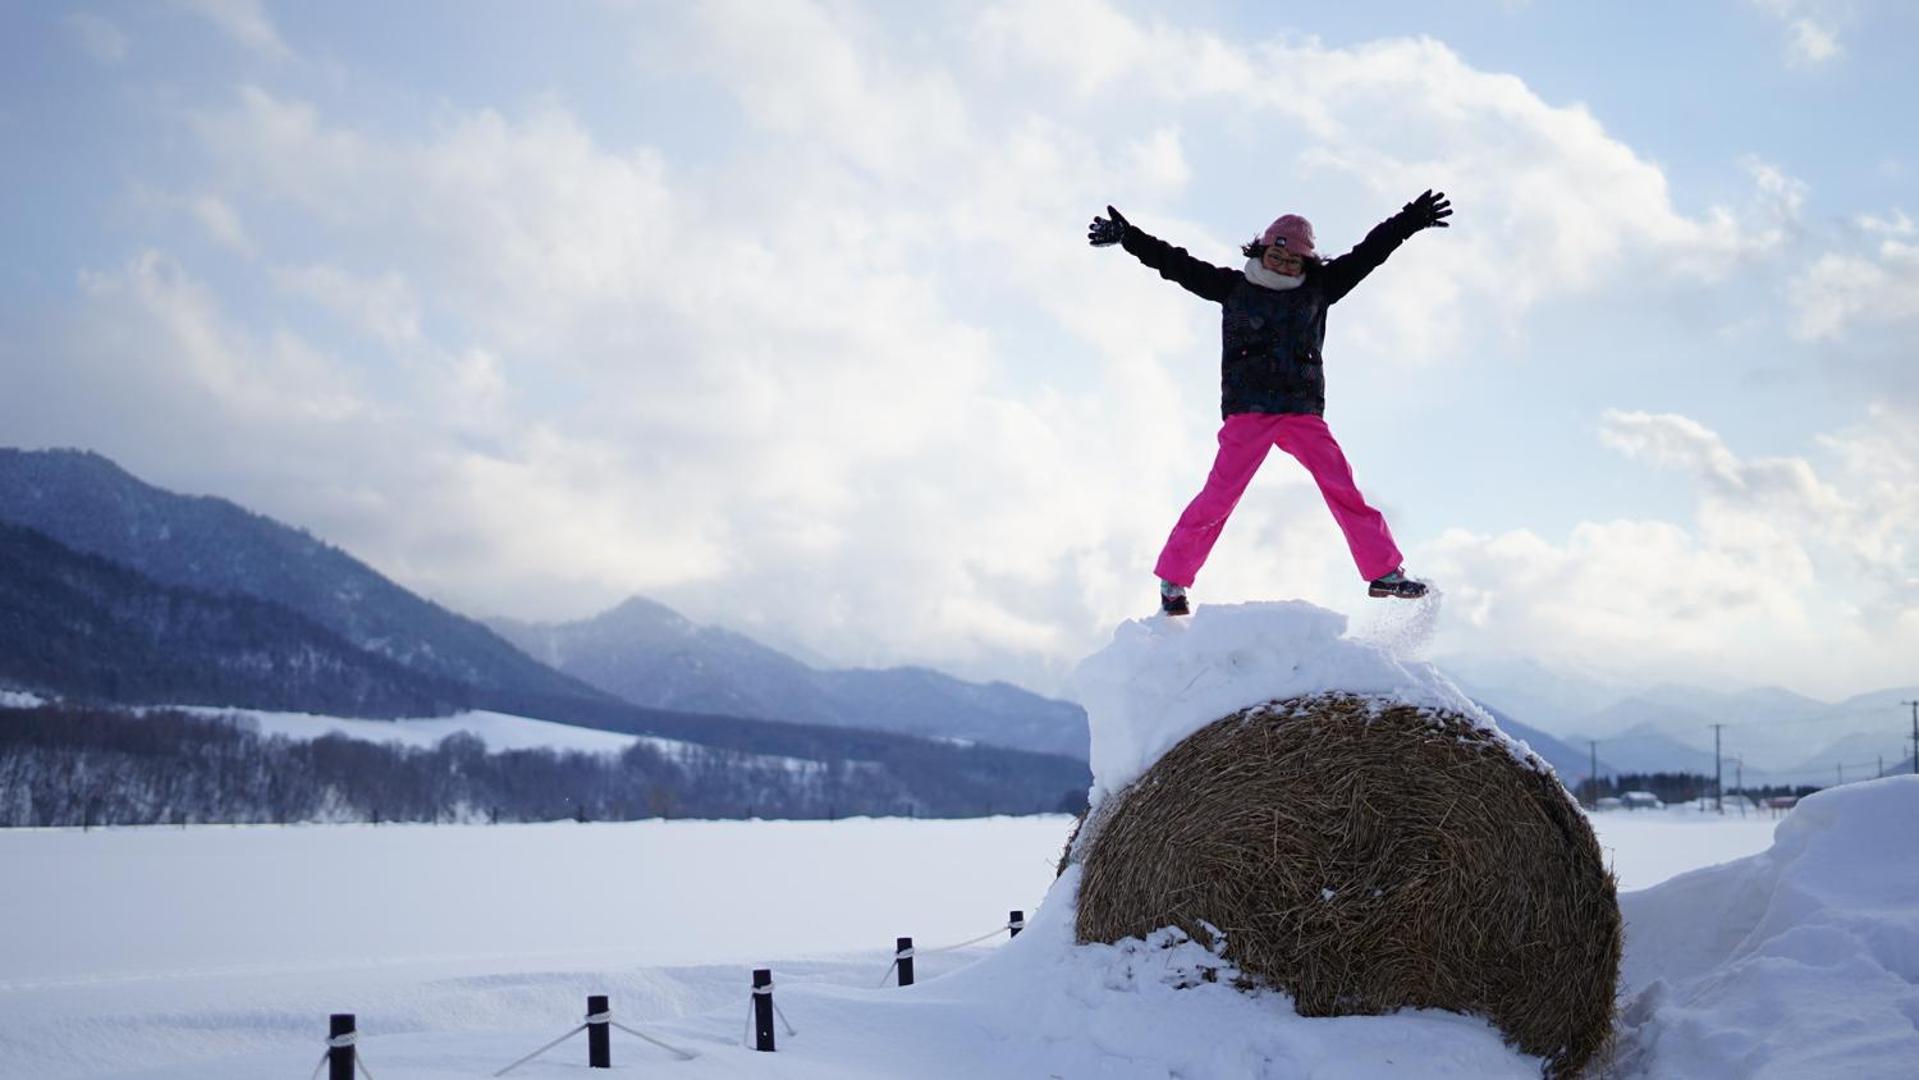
(1108, 230)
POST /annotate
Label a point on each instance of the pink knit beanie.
(1292, 232)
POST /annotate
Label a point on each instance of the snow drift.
(1799, 961)
(1369, 842)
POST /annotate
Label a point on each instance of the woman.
(1272, 386)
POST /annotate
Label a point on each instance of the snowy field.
(1645, 847)
(500, 731)
(1754, 948)
(217, 952)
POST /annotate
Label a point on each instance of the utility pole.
(1842, 773)
(1739, 782)
(1592, 773)
(1915, 735)
(1718, 785)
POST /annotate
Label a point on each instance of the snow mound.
(1799, 961)
(1153, 1007)
(1162, 679)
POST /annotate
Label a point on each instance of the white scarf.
(1257, 273)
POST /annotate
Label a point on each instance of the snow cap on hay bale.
(1363, 855)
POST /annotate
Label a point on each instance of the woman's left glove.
(1105, 231)
(1427, 211)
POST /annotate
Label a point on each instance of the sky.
(781, 313)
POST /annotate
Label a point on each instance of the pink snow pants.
(1244, 441)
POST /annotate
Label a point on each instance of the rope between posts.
(908, 953)
(598, 1018)
(341, 1042)
(541, 1050)
(974, 941)
(684, 1055)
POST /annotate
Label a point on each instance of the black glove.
(1106, 231)
(1427, 211)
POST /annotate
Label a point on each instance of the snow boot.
(1397, 585)
(1172, 599)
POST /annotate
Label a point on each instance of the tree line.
(67, 766)
(1675, 787)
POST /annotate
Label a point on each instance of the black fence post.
(340, 1050)
(903, 956)
(763, 1009)
(599, 1033)
(1016, 922)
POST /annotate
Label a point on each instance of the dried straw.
(1365, 856)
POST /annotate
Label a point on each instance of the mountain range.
(649, 654)
(82, 626)
(1766, 734)
(87, 503)
(116, 591)
(113, 589)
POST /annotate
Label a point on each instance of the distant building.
(1608, 802)
(1640, 800)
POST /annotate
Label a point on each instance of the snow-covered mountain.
(1778, 734)
(90, 504)
(1551, 699)
(649, 654)
(115, 592)
(1572, 763)
(84, 628)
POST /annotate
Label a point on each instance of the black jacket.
(1270, 339)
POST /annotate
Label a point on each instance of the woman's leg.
(1243, 443)
(1311, 441)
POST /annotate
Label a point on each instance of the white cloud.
(1549, 203)
(245, 21)
(1842, 290)
(99, 37)
(221, 222)
(1812, 28)
(1788, 485)
(1160, 160)
(1813, 572)
(766, 364)
(1897, 224)
(171, 326)
(1812, 43)
(385, 307)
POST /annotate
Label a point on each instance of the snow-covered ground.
(1645, 847)
(218, 952)
(19, 699)
(499, 731)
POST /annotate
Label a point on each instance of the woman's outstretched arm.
(1196, 276)
(1340, 275)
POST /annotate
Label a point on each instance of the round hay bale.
(1365, 856)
